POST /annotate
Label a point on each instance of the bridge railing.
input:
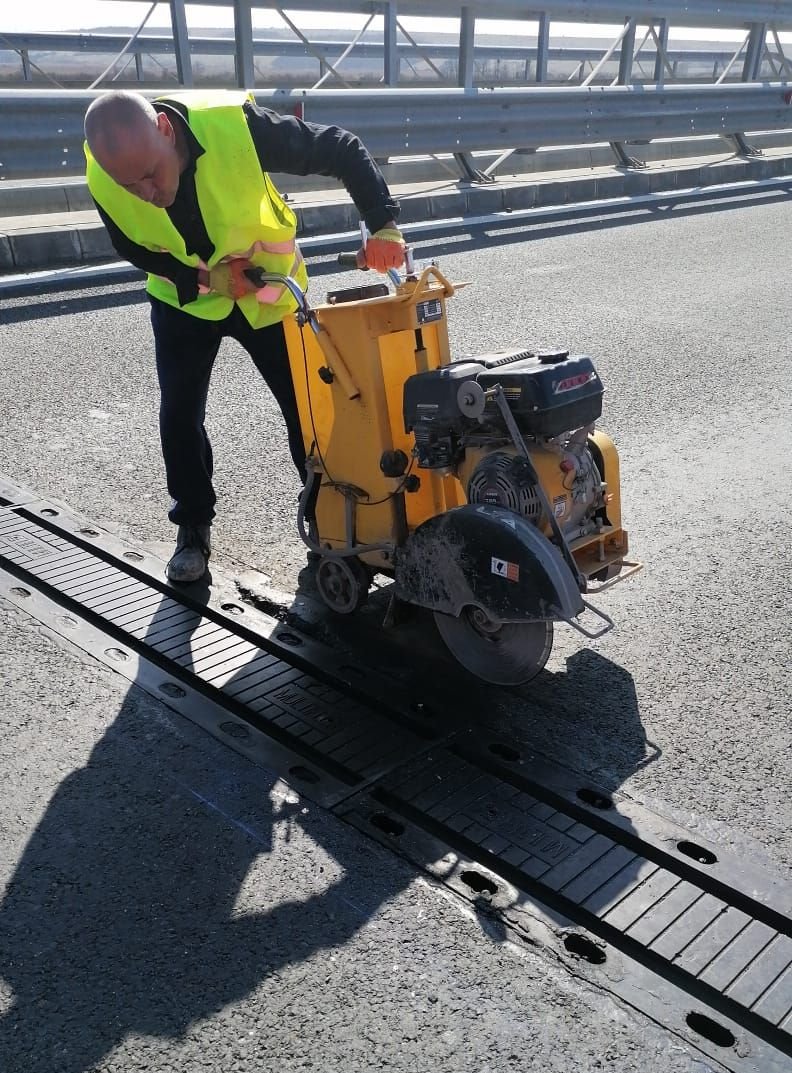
(74, 60)
(755, 18)
(41, 131)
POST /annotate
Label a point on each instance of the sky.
(38, 16)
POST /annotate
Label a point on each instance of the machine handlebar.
(350, 260)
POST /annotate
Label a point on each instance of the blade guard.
(489, 557)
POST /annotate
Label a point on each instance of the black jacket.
(283, 144)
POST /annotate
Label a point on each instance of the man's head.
(136, 145)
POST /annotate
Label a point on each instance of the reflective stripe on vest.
(243, 213)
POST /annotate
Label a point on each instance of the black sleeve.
(184, 277)
(290, 145)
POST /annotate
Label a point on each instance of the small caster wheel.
(343, 584)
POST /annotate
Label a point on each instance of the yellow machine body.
(497, 546)
(366, 350)
(351, 422)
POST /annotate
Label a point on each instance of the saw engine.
(554, 399)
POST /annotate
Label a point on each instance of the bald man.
(183, 188)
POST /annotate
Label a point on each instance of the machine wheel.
(343, 584)
(506, 654)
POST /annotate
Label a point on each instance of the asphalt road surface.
(168, 906)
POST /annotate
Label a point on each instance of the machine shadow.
(586, 716)
(577, 731)
(127, 911)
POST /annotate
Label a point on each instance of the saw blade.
(508, 654)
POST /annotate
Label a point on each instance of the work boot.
(192, 554)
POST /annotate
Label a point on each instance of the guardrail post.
(139, 66)
(624, 78)
(467, 36)
(181, 43)
(466, 69)
(390, 31)
(626, 53)
(754, 54)
(661, 43)
(243, 37)
(542, 48)
(752, 64)
(26, 72)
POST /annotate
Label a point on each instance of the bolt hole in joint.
(348, 668)
(698, 853)
(505, 752)
(289, 639)
(170, 689)
(710, 1030)
(232, 609)
(304, 774)
(583, 947)
(478, 883)
(386, 823)
(595, 798)
(235, 730)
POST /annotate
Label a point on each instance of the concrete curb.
(77, 237)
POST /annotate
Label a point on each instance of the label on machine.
(502, 568)
(430, 310)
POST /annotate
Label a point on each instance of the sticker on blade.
(560, 506)
(501, 568)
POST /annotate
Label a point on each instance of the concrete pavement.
(168, 906)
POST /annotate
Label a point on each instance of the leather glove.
(229, 278)
(385, 249)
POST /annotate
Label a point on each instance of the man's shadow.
(124, 916)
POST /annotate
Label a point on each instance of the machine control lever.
(519, 443)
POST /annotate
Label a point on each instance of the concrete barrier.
(49, 224)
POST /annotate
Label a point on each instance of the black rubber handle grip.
(349, 260)
(255, 275)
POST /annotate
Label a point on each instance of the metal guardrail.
(41, 131)
(401, 122)
(704, 13)
(759, 18)
(77, 45)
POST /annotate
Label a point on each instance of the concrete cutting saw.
(479, 484)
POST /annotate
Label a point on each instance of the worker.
(182, 184)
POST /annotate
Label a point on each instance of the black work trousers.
(186, 348)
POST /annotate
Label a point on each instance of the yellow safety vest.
(243, 213)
